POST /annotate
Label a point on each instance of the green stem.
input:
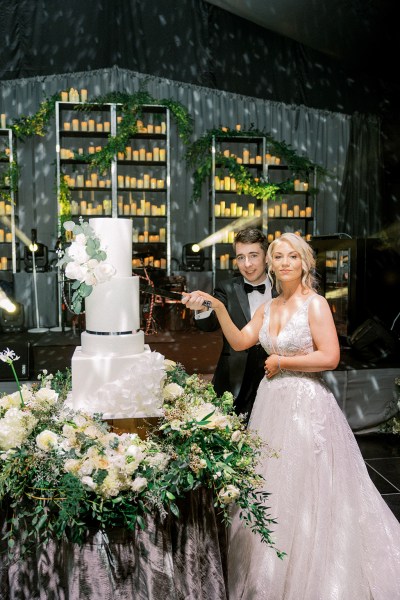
(17, 380)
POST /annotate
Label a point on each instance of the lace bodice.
(295, 338)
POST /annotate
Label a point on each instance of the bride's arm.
(323, 331)
(239, 339)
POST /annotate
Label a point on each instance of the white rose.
(75, 271)
(11, 401)
(236, 435)
(46, 440)
(88, 482)
(172, 391)
(103, 272)
(139, 484)
(78, 253)
(229, 494)
(90, 279)
(46, 395)
(80, 239)
(169, 365)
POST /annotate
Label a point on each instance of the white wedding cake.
(113, 371)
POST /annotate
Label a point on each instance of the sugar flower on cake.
(84, 261)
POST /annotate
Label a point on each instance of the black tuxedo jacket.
(236, 372)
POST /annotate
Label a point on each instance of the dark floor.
(198, 352)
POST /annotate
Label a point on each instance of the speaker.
(21, 366)
(372, 340)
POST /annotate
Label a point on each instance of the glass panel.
(337, 287)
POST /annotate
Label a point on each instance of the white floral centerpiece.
(85, 261)
(64, 471)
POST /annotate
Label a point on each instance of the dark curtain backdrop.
(186, 40)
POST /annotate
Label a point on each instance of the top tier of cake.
(113, 308)
(116, 241)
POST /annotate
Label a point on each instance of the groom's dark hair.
(251, 235)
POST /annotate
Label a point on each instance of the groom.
(241, 372)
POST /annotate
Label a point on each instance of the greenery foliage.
(198, 157)
(64, 471)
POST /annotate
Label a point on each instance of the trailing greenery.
(64, 472)
(198, 157)
(64, 202)
(9, 180)
(36, 124)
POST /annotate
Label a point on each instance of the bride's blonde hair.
(308, 278)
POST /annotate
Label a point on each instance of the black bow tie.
(251, 288)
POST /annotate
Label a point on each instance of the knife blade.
(149, 289)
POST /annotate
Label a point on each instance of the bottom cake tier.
(117, 386)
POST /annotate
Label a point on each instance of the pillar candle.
(150, 128)
(308, 211)
(8, 237)
(217, 210)
(271, 211)
(233, 184)
(162, 233)
(227, 183)
(106, 126)
(156, 154)
(162, 155)
(157, 129)
(302, 214)
(284, 209)
(153, 183)
(91, 125)
(142, 154)
(67, 126)
(84, 125)
(149, 156)
(163, 127)
(1, 235)
(75, 124)
(64, 96)
(127, 181)
(128, 153)
(246, 157)
(290, 213)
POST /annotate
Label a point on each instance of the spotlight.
(192, 257)
(38, 252)
(12, 321)
(6, 303)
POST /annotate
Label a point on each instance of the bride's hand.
(196, 300)
(271, 366)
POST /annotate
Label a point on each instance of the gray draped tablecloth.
(176, 559)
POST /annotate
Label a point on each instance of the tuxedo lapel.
(242, 298)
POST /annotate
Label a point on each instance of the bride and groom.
(341, 540)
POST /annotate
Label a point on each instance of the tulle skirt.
(341, 539)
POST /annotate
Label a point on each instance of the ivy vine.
(198, 157)
(64, 200)
(8, 179)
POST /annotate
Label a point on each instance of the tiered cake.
(113, 372)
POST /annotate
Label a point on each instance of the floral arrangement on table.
(65, 471)
(85, 261)
(393, 424)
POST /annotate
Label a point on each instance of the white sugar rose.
(229, 494)
(172, 391)
(46, 440)
(75, 271)
(103, 272)
(77, 251)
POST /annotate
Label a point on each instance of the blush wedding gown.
(341, 539)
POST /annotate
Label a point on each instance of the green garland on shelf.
(9, 180)
(198, 157)
(36, 124)
(64, 200)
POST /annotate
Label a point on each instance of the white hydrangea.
(15, 427)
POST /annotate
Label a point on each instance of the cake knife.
(149, 289)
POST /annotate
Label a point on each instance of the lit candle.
(127, 181)
(290, 213)
(84, 95)
(140, 183)
(150, 128)
(120, 181)
(270, 238)
(1, 235)
(302, 214)
(251, 208)
(127, 210)
(67, 126)
(91, 125)
(246, 157)
(271, 211)
(142, 154)
(157, 129)
(99, 127)
(277, 210)
(128, 153)
(133, 208)
(163, 127)
(308, 211)
(296, 210)
(162, 233)
(106, 126)
(3, 121)
(84, 126)
(64, 96)
(133, 182)
(75, 124)
(277, 234)
(284, 210)
(233, 184)
(153, 183)
(162, 155)
(296, 185)
(160, 183)
(227, 183)
(135, 155)
(149, 156)
(217, 210)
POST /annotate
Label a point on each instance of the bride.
(341, 540)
